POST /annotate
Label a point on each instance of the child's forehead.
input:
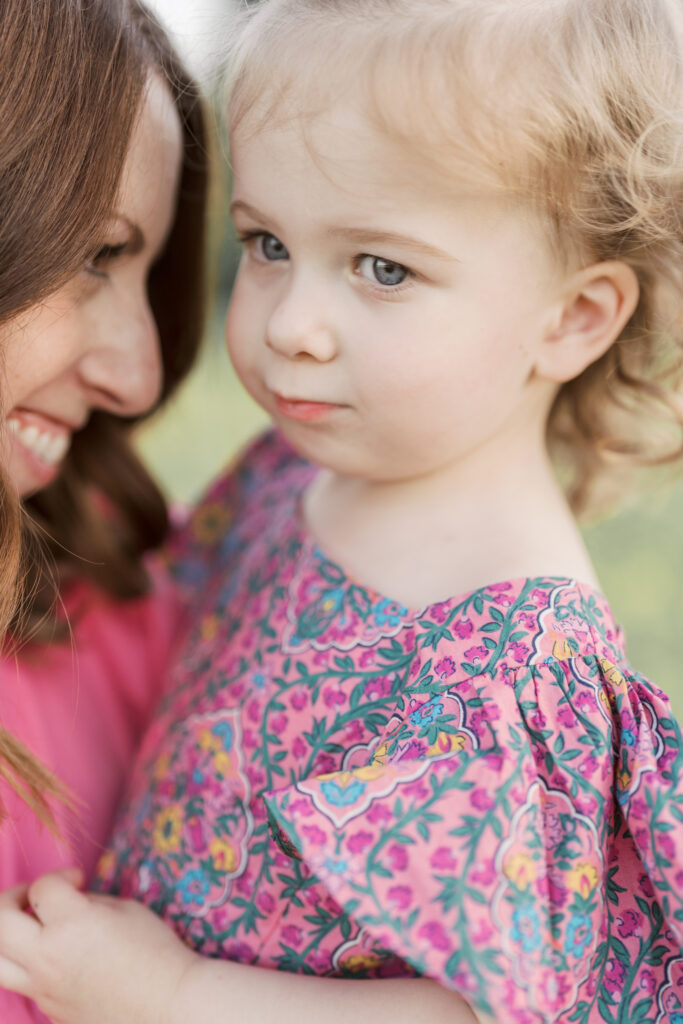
(343, 147)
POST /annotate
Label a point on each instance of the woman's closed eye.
(104, 257)
(380, 271)
(265, 247)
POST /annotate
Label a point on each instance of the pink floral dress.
(481, 791)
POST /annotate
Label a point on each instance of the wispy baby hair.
(574, 107)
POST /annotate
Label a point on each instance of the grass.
(638, 554)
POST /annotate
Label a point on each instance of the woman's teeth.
(51, 448)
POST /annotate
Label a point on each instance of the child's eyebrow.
(368, 236)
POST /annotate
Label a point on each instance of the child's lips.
(303, 410)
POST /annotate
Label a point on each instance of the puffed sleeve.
(481, 840)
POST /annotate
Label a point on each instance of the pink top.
(81, 707)
(482, 791)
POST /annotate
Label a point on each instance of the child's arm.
(84, 958)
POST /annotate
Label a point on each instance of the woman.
(103, 180)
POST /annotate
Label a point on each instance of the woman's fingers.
(56, 896)
(19, 930)
(14, 977)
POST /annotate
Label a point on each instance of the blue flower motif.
(225, 732)
(387, 612)
(579, 934)
(340, 796)
(676, 1017)
(629, 737)
(335, 867)
(193, 887)
(526, 928)
(427, 712)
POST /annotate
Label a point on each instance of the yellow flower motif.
(380, 755)
(520, 870)
(562, 649)
(209, 627)
(583, 879)
(106, 863)
(223, 764)
(210, 522)
(612, 674)
(361, 962)
(624, 780)
(365, 773)
(161, 766)
(209, 741)
(223, 855)
(446, 743)
(167, 830)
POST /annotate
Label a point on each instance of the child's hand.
(86, 958)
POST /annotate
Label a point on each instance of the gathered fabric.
(482, 791)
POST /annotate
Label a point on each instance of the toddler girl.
(462, 257)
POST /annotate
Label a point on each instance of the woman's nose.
(123, 365)
(300, 323)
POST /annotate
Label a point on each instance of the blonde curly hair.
(572, 106)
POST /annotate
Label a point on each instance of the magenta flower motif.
(299, 748)
(482, 800)
(444, 668)
(476, 653)
(630, 923)
(379, 814)
(435, 934)
(398, 857)
(401, 896)
(314, 834)
(378, 686)
(613, 978)
(265, 902)
(484, 872)
(666, 845)
(278, 723)
(359, 841)
(439, 612)
(463, 628)
(333, 698)
(520, 652)
(292, 935)
(443, 860)
(299, 700)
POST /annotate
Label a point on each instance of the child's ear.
(595, 306)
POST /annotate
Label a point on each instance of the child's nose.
(299, 325)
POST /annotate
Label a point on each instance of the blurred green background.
(638, 554)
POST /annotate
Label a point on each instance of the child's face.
(93, 344)
(389, 329)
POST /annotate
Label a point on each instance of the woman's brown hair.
(72, 78)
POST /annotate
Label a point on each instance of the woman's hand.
(86, 958)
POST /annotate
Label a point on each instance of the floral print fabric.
(481, 791)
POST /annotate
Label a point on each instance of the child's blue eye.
(385, 272)
(271, 248)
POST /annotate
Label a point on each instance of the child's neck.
(434, 537)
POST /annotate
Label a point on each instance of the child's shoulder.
(263, 465)
(266, 475)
